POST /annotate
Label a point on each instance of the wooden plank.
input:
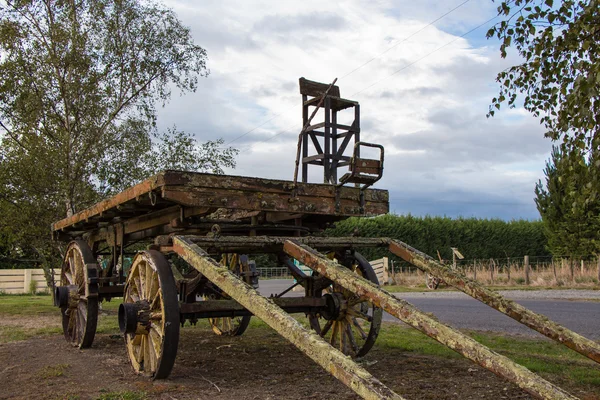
(367, 170)
(446, 335)
(218, 187)
(272, 202)
(315, 126)
(316, 89)
(367, 163)
(11, 285)
(311, 344)
(313, 158)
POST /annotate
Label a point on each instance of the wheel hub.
(335, 307)
(66, 296)
(134, 317)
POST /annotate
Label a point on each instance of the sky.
(424, 88)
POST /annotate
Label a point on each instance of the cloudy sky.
(424, 90)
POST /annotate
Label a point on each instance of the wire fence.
(534, 271)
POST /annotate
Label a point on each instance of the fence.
(381, 269)
(380, 266)
(533, 271)
(18, 281)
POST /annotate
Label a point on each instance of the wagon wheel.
(149, 315)
(432, 282)
(230, 326)
(77, 295)
(356, 328)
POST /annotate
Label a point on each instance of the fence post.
(526, 261)
(492, 266)
(572, 268)
(554, 269)
(598, 269)
(582, 267)
(508, 271)
(26, 280)
(475, 268)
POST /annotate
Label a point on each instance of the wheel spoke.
(341, 333)
(153, 288)
(359, 328)
(157, 328)
(149, 274)
(141, 281)
(333, 333)
(69, 277)
(326, 328)
(155, 346)
(350, 336)
(359, 314)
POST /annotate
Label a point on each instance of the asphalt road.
(463, 312)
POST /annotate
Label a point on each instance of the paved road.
(464, 312)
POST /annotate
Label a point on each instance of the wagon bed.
(172, 196)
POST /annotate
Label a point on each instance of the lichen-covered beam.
(514, 310)
(311, 344)
(444, 334)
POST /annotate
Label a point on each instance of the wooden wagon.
(192, 236)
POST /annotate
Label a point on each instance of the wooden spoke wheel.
(354, 330)
(432, 282)
(149, 315)
(231, 326)
(79, 305)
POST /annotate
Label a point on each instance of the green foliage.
(475, 238)
(570, 212)
(33, 286)
(560, 75)
(124, 395)
(79, 86)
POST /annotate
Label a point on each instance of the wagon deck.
(170, 198)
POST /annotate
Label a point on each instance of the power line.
(357, 68)
(406, 38)
(386, 77)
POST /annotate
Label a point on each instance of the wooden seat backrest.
(316, 89)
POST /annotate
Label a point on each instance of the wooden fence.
(381, 270)
(18, 281)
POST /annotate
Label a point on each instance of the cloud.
(424, 98)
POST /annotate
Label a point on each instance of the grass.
(541, 356)
(26, 304)
(124, 395)
(53, 371)
(41, 305)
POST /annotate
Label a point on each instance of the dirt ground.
(258, 365)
